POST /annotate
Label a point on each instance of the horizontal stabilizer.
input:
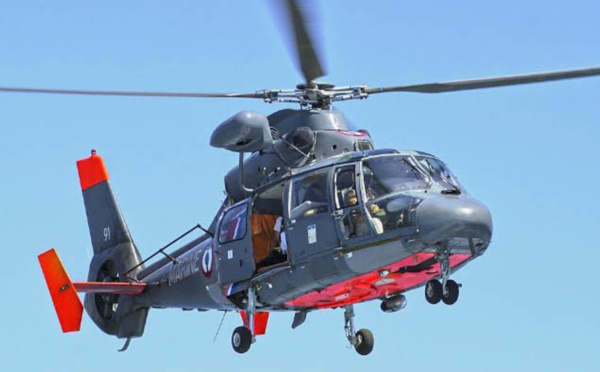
(110, 288)
(67, 304)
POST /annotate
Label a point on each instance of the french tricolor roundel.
(206, 265)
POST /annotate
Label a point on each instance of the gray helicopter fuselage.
(346, 210)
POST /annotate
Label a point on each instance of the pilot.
(375, 212)
(357, 219)
(358, 225)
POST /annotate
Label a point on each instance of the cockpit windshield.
(439, 172)
(385, 175)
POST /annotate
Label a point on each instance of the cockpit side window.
(309, 195)
(345, 187)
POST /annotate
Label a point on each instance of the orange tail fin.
(66, 301)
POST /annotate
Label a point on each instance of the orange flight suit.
(263, 235)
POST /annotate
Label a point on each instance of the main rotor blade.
(307, 58)
(133, 94)
(453, 86)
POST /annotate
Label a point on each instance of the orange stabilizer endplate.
(91, 171)
(66, 301)
(261, 318)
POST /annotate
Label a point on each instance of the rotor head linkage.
(315, 95)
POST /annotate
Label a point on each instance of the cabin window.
(233, 224)
(309, 195)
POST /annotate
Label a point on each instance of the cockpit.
(350, 201)
(372, 196)
(392, 183)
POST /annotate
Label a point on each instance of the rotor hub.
(315, 95)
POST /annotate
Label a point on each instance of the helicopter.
(358, 223)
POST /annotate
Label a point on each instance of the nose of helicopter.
(445, 218)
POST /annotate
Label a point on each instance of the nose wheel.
(447, 290)
(363, 340)
(434, 292)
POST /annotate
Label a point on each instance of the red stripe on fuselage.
(373, 285)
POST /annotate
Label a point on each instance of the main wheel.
(241, 339)
(452, 290)
(364, 342)
(433, 291)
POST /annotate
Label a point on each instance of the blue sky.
(530, 153)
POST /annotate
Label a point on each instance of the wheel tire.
(453, 290)
(364, 342)
(241, 339)
(433, 291)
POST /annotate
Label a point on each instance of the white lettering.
(184, 268)
(106, 233)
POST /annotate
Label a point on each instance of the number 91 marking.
(106, 234)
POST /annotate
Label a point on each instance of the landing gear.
(363, 340)
(447, 290)
(241, 339)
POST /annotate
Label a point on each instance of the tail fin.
(114, 253)
(106, 223)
